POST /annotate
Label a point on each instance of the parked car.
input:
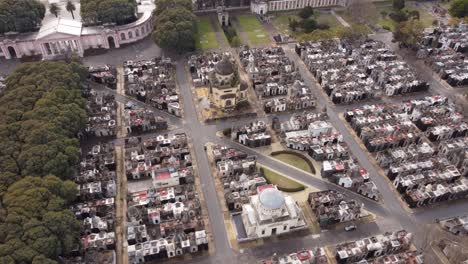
(350, 228)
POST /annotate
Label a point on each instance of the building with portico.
(60, 37)
(270, 213)
(226, 89)
(261, 7)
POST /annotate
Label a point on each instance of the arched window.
(137, 33)
(122, 36)
(130, 35)
(142, 30)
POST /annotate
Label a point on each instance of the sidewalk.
(121, 198)
(340, 19)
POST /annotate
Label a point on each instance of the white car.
(350, 228)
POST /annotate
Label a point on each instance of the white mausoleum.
(270, 212)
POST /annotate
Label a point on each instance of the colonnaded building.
(262, 7)
(61, 36)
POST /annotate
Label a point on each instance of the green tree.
(168, 4)
(235, 41)
(398, 4)
(293, 24)
(20, 15)
(306, 12)
(459, 8)
(38, 227)
(116, 11)
(175, 29)
(309, 25)
(39, 127)
(108, 11)
(399, 16)
(414, 14)
(54, 9)
(409, 33)
(71, 8)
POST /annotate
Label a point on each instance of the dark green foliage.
(227, 132)
(41, 112)
(459, 8)
(107, 11)
(309, 25)
(36, 226)
(175, 25)
(293, 24)
(323, 26)
(414, 14)
(231, 36)
(54, 9)
(408, 33)
(306, 12)
(398, 4)
(398, 16)
(70, 7)
(169, 4)
(20, 15)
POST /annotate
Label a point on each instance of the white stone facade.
(61, 36)
(271, 213)
(261, 7)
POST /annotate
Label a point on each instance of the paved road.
(390, 214)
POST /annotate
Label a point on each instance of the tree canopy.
(169, 4)
(36, 225)
(20, 15)
(409, 33)
(459, 8)
(306, 12)
(41, 112)
(398, 4)
(175, 25)
(108, 11)
(309, 25)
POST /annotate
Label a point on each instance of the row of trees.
(41, 112)
(307, 23)
(175, 25)
(20, 15)
(54, 9)
(108, 11)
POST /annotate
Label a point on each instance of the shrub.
(398, 4)
(398, 16)
(227, 132)
(306, 12)
(309, 25)
(459, 8)
(293, 24)
(323, 26)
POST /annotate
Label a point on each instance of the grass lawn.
(295, 161)
(281, 22)
(425, 17)
(206, 36)
(283, 183)
(253, 29)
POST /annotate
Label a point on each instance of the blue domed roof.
(271, 199)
